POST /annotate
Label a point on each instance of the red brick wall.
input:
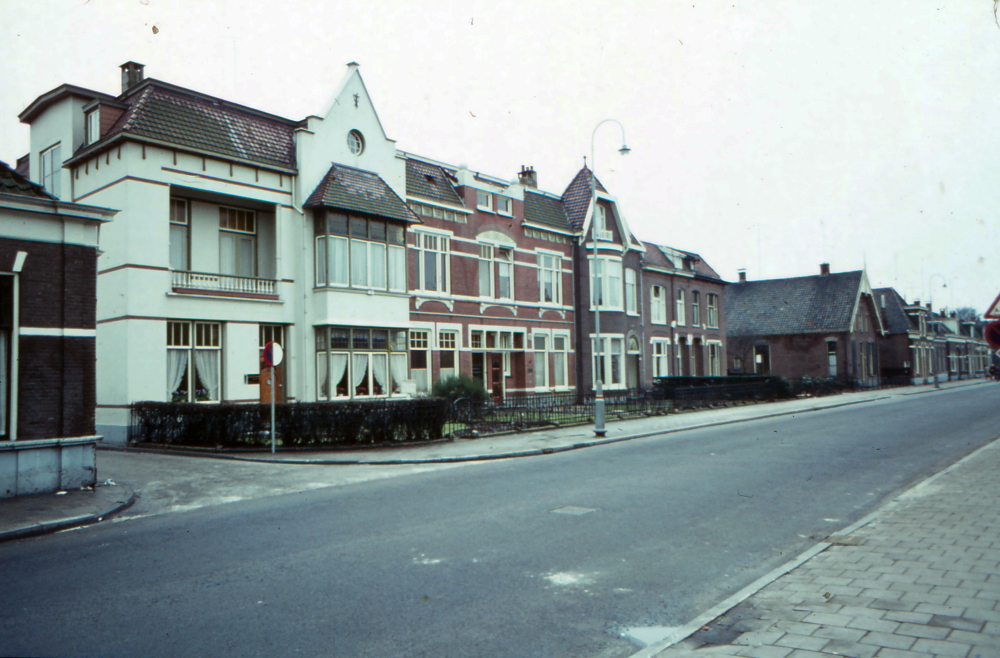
(58, 288)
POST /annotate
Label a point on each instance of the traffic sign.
(273, 354)
(992, 334)
(993, 312)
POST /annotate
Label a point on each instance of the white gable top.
(335, 99)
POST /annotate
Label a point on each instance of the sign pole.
(271, 384)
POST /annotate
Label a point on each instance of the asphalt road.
(473, 560)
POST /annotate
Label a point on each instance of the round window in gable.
(355, 142)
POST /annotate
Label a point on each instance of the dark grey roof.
(808, 304)
(576, 198)
(173, 115)
(15, 184)
(893, 314)
(656, 255)
(543, 209)
(357, 190)
(430, 182)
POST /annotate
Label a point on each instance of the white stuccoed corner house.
(236, 227)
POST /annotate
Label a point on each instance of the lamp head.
(624, 150)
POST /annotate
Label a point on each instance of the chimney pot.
(131, 75)
(528, 177)
(743, 275)
(824, 269)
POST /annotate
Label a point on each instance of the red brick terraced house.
(813, 326)
(491, 281)
(914, 346)
(682, 305)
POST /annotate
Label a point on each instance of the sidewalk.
(33, 515)
(918, 578)
(550, 440)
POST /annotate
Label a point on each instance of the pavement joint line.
(505, 455)
(682, 632)
(37, 529)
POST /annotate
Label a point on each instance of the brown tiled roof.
(15, 184)
(893, 314)
(430, 181)
(176, 116)
(656, 255)
(576, 198)
(808, 304)
(357, 190)
(543, 209)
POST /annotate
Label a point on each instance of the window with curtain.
(680, 314)
(237, 242)
(549, 278)
(358, 362)
(606, 283)
(194, 361)
(630, 296)
(661, 357)
(559, 346)
(658, 305)
(541, 344)
(433, 267)
(713, 310)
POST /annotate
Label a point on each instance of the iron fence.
(528, 411)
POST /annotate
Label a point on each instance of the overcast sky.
(766, 135)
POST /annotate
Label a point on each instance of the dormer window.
(484, 201)
(601, 221)
(505, 205)
(93, 125)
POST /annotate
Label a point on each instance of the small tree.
(461, 386)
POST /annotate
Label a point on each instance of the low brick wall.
(47, 465)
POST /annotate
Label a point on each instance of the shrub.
(462, 386)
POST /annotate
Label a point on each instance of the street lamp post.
(598, 351)
(930, 284)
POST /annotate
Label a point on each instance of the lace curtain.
(206, 363)
(177, 362)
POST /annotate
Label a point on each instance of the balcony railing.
(603, 235)
(243, 285)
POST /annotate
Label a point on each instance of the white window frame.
(549, 268)
(601, 218)
(613, 356)
(695, 308)
(93, 125)
(197, 338)
(630, 292)
(661, 359)
(449, 340)
(680, 312)
(657, 305)
(502, 266)
(442, 261)
(713, 310)
(560, 361)
(237, 238)
(541, 343)
(609, 270)
(50, 166)
(488, 197)
(505, 206)
(420, 341)
(714, 358)
(179, 234)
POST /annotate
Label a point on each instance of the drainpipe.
(15, 343)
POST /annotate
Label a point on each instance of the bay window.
(194, 361)
(362, 253)
(354, 362)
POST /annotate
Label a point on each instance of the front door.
(496, 376)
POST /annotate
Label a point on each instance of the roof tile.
(798, 305)
(347, 188)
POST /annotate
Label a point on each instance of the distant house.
(813, 326)
(913, 346)
(682, 304)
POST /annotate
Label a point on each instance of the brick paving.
(920, 580)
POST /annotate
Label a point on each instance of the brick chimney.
(131, 75)
(528, 177)
(824, 269)
(743, 275)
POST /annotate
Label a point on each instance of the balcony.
(224, 285)
(603, 235)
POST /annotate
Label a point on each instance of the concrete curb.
(680, 633)
(505, 455)
(37, 529)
